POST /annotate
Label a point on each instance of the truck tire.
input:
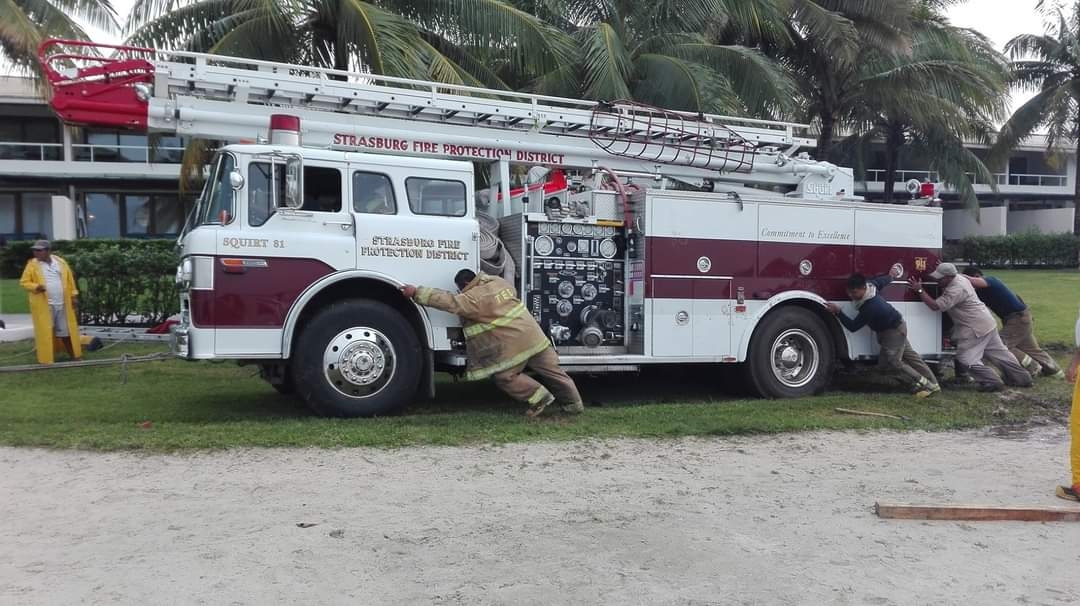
(791, 355)
(357, 358)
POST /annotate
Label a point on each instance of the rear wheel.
(357, 358)
(791, 355)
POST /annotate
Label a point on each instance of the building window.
(8, 212)
(106, 146)
(138, 211)
(102, 216)
(145, 215)
(25, 138)
(25, 215)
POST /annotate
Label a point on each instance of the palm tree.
(476, 42)
(661, 53)
(1049, 65)
(948, 90)
(24, 24)
(823, 42)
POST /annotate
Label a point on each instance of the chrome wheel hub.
(795, 358)
(359, 362)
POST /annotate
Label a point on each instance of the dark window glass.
(436, 196)
(102, 215)
(322, 189)
(373, 194)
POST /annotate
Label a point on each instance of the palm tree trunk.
(341, 59)
(894, 139)
(825, 138)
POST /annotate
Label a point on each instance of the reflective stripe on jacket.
(500, 333)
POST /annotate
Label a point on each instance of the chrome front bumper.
(178, 341)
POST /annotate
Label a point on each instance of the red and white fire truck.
(642, 236)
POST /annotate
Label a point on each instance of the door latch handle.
(345, 225)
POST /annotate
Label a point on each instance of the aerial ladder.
(227, 98)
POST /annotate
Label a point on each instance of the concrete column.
(68, 154)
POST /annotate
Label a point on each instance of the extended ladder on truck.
(230, 98)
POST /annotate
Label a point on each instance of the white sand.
(773, 520)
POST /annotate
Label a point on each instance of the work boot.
(962, 380)
(537, 409)
(1055, 374)
(573, 409)
(990, 387)
(1069, 493)
(1031, 366)
(924, 388)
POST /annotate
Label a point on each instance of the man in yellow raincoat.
(54, 300)
(1072, 491)
(502, 339)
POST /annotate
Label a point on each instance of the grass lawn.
(205, 406)
(1052, 296)
(12, 298)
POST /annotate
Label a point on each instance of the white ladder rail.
(249, 81)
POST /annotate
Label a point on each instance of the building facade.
(125, 185)
(1035, 193)
(122, 184)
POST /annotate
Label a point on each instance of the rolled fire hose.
(495, 260)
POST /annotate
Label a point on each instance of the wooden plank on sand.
(977, 513)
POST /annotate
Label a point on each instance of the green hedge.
(1028, 250)
(117, 278)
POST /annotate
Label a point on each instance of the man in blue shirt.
(1016, 324)
(896, 352)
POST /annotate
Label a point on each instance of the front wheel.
(357, 358)
(791, 355)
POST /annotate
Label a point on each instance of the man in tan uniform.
(502, 339)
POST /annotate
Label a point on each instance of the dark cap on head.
(856, 281)
(41, 245)
(463, 277)
(973, 271)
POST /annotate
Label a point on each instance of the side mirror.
(294, 186)
(236, 180)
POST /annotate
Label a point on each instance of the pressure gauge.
(608, 248)
(543, 246)
(588, 291)
(579, 230)
(564, 308)
(567, 229)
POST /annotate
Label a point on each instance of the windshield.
(215, 205)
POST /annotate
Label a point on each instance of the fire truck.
(635, 235)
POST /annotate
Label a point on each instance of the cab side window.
(441, 197)
(322, 189)
(373, 194)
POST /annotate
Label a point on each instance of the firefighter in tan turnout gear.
(503, 340)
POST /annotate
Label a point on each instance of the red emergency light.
(284, 129)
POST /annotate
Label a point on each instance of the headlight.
(183, 273)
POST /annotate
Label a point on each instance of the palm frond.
(607, 65)
(765, 90)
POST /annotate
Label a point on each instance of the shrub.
(1027, 250)
(117, 278)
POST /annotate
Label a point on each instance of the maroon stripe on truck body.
(764, 269)
(260, 297)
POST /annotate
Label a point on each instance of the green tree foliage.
(1048, 65)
